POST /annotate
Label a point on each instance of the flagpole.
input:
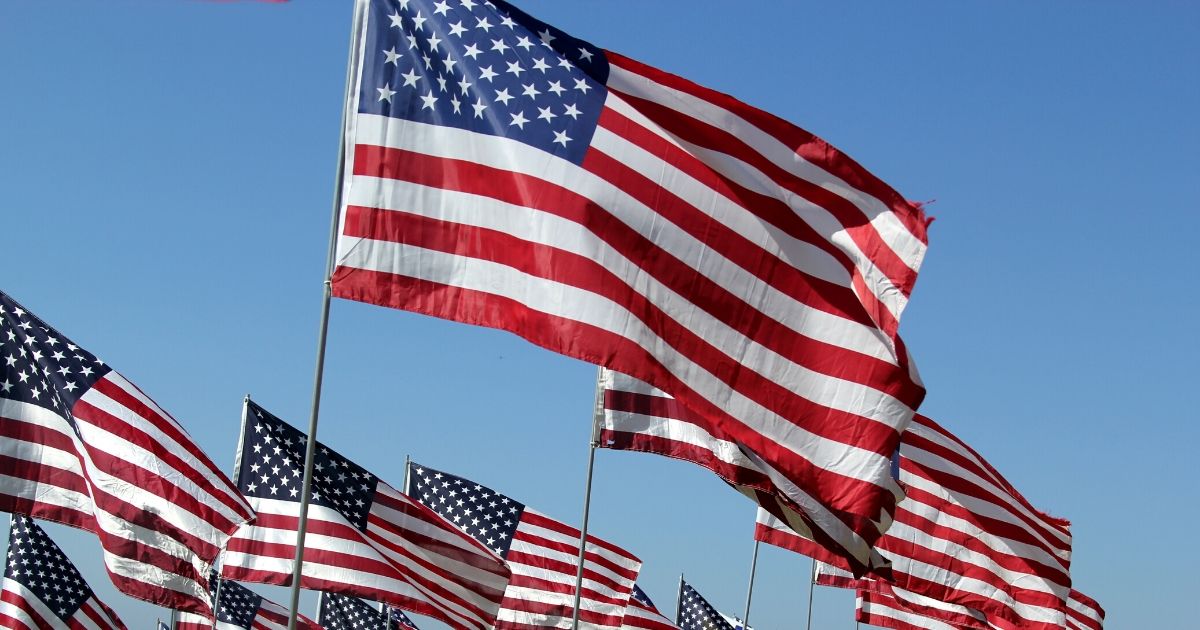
(597, 411)
(812, 577)
(327, 287)
(679, 601)
(750, 588)
(175, 619)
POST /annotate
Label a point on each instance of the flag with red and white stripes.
(642, 614)
(633, 415)
(963, 535)
(364, 538)
(85, 447)
(43, 590)
(239, 608)
(1083, 612)
(542, 552)
(502, 173)
(885, 611)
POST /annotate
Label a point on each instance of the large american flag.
(964, 536)
(364, 537)
(239, 608)
(635, 416)
(42, 590)
(85, 447)
(542, 552)
(343, 612)
(502, 173)
(642, 614)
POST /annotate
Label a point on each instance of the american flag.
(364, 537)
(343, 612)
(239, 608)
(695, 613)
(635, 416)
(642, 614)
(963, 535)
(42, 590)
(1083, 612)
(85, 447)
(502, 173)
(542, 552)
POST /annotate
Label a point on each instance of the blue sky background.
(167, 166)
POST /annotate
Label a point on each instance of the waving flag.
(695, 613)
(502, 173)
(885, 611)
(42, 590)
(1083, 612)
(239, 608)
(642, 614)
(342, 612)
(542, 552)
(364, 537)
(85, 447)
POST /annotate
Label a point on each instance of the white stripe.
(33, 603)
(903, 616)
(189, 619)
(620, 558)
(950, 579)
(110, 620)
(891, 230)
(81, 617)
(554, 298)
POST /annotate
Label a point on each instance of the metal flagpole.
(407, 463)
(174, 618)
(679, 603)
(327, 286)
(812, 577)
(750, 588)
(597, 410)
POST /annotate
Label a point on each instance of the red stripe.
(805, 144)
(561, 610)
(530, 517)
(15, 599)
(597, 346)
(19, 429)
(519, 560)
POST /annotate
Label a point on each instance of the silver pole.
(750, 588)
(175, 618)
(407, 465)
(311, 445)
(812, 577)
(679, 603)
(587, 506)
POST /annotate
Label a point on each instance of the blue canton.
(641, 596)
(400, 621)
(236, 604)
(484, 514)
(35, 562)
(342, 612)
(272, 467)
(697, 614)
(41, 366)
(485, 67)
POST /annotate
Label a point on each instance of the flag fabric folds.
(1083, 612)
(343, 612)
(964, 536)
(695, 613)
(43, 590)
(85, 447)
(883, 610)
(642, 614)
(542, 552)
(501, 173)
(364, 537)
(239, 608)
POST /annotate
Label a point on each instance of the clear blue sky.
(166, 170)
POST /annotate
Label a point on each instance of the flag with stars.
(239, 608)
(364, 537)
(85, 447)
(695, 613)
(542, 552)
(503, 173)
(342, 612)
(642, 614)
(42, 590)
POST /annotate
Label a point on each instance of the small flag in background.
(503, 173)
(43, 590)
(364, 537)
(85, 447)
(642, 614)
(695, 613)
(543, 554)
(240, 608)
(342, 612)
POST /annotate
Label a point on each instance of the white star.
(560, 137)
(478, 106)
(546, 37)
(563, 63)
(386, 92)
(410, 78)
(433, 41)
(523, 42)
(419, 22)
(456, 104)
(557, 88)
(7, 386)
(441, 80)
(483, 24)
(457, 29)
(540, 64)
(507, 21)
(393, 57)
(396, 20)
(530, 91)
(515, 68)
(464, 85)
(503, 96)
(487, 73)
(499, 45)
(545, 113)
(582, 85)
(572, 111)
(412, 41)
(519, 120)
(472, 51)
(428, 100)
(441, 8)
(467, 4)
(585, 54)
(449, 63)
(428, 61)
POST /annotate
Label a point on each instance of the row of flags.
(740, 281)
